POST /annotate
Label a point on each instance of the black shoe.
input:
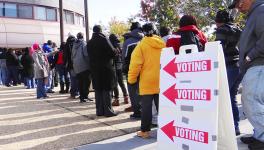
(82, 101)
(237, 131)
(50, 91)
(46, 97)
(90, 100)
(135, 116)
(248, 140)
(111, 115)
(257, 145)
(154, 125)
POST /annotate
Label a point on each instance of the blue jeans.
(30, 82)
(233, 82)
(63, 74)
(253, 99)
(41, 92)
(3, 72)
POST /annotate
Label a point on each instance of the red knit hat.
(35, 46)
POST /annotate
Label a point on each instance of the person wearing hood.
(102, 55)
(132, 39)
(188, 26)
(251, 63)
(145, 67)
(81, 66)
(67, 53)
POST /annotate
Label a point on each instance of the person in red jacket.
(188, 25)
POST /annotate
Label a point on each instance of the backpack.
(189, 37)
(126, 63)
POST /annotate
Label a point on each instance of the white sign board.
(190, 100)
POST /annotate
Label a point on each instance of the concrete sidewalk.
(132, 142)
(62, 123)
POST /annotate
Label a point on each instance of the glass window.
(40, 13)
(51, 14)
(25, 11)
(81, 21)
(69, 17)
(10, 10)
(1, 9)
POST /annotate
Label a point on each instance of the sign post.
(195, 108)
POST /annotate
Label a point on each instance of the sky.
(101, 11)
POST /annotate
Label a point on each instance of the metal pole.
(61, 21)
(86, 20)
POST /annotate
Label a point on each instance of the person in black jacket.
(101, 54)
(229, 34)
(67, 52)
(12, 65)
(118, 70)
(28, 68)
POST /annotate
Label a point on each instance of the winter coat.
(175, 40)
(145, 64)
(67, 52)
(28, 65)
(11, 59)
(131, 38)
(101, 54)
(229, 35)
(118, 58)
(41, 64)
(251, 41)
(80, 57)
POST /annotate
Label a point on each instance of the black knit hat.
(187, 20)
(97, 29)
(135, 25)
(222, 16)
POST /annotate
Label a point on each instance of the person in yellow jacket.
(145, 67)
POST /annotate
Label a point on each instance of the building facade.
(24, 22)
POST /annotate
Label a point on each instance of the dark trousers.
(103, 103)
(84, 80)
(120, 81)
(234, 80)
(74, 84)
(134, 97)
(146, 114)
(12, 75)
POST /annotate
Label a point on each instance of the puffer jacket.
(145, 64)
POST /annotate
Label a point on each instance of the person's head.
(97, 29)
(36, 47)
(49, 42)
(26, 50)
(54, 45)
(62, 46)
(80, 35)
(187, 20)
(222, 17)
(164, 31)
(135, 25)
(149, 29)
(242, 5)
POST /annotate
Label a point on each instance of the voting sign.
(193, 96)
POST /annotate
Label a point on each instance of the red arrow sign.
(194, 135)
(174, 94)
(171, 68)
(192, 66)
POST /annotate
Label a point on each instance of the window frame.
(56, 14)
(4, 12)
(32, 12)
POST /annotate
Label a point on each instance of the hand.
(247, 59)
